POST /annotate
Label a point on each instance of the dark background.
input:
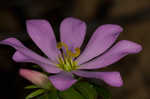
(133, 15)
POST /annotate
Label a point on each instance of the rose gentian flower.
(64, 59)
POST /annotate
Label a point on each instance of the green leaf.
(103, 92)
(53, 95)
(31, 87)
(71, 93)
(44, 96)
(86, 89)
(49, 95)
(35, 93)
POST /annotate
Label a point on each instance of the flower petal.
(102, 39)
(42, 34)
(35, 77)
(19, 57)
(24, 50)
(118, 51)
(112, 78)
(72, 32)
(62, 81)
(27, 54)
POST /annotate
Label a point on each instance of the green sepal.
(35, 93)
(71, 93)
(31, 87)
(86, 89)
(47, 86)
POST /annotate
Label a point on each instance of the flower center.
(66, 59)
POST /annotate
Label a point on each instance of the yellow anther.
(61, 45)
(76, 54)
(68, 52)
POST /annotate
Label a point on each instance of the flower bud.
(36, 78)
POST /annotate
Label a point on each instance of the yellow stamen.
(70, 53)
(76, 54)
(65, 60)
(61, 44)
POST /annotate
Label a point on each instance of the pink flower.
(71, 62)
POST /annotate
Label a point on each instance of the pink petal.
(111, 78)
(27, 54)
(24, 50)
(42, 34)
(118, 51)
(102, 39)
(62, 81)
(18, 57)
(72, 32)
